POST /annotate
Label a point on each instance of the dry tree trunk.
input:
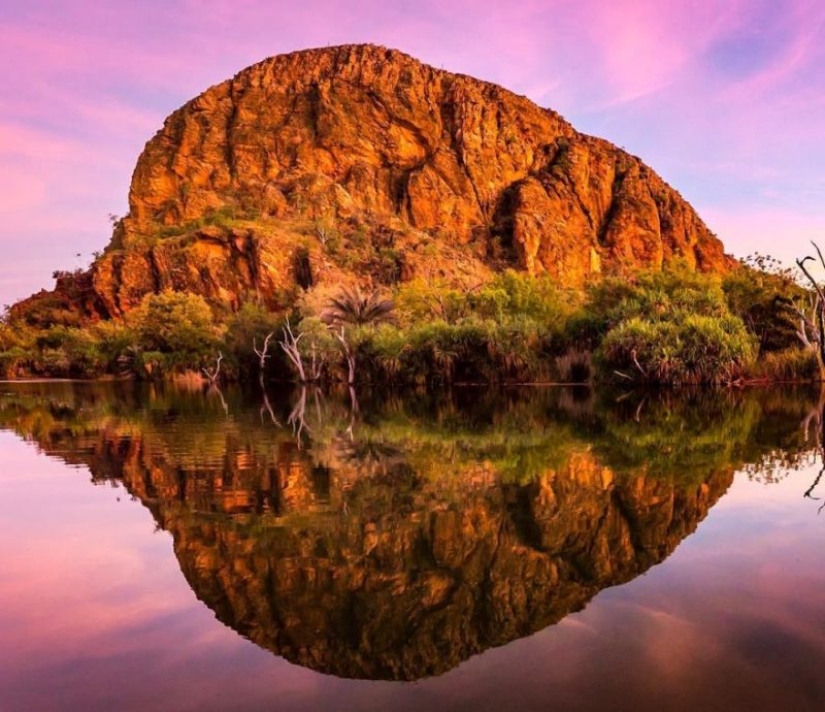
(290, 346)
(213, 374)
(349, 354)
(262, 354)
(817, 323)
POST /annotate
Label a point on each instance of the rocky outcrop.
(369, 165)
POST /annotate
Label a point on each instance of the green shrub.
(763, 300)
(246, 330)
(670, 294)
(178, 325)
(700, 349)
(794, 364)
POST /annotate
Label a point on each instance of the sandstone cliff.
(361, 163)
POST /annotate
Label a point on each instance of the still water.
(539, 549)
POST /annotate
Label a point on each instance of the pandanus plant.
(353, 307)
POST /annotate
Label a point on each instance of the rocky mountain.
(359, 163)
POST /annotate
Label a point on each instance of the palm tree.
(353, 307)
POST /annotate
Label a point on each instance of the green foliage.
(514, 294)
(795, 364)
(472, 350)
(510, 294)
(311, 344)
(353, 307)
(670, 327)
(246, 330)
(226, 216)
(660, 327)
(697, 349)
(317, 338)
(510, 329)
(670, 294)
(420, 300)
(762, 294)
(113, 339)
(178, 325)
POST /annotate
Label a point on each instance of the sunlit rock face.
(369, 162)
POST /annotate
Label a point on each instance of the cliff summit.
(359, 163)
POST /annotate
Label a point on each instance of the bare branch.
(349, 354)
(262, 354)
(820, 303)
(213, 374)
(819, 252)
(289, 344)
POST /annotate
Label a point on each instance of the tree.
(353, 307)
(177, 324)
(812, 325)
(310, 350)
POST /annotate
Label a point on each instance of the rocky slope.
(361, 163)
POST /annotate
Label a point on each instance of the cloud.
(724, 98)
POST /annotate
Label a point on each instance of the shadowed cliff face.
(359, 156)
(397, 546)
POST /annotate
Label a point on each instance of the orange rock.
(368, 139)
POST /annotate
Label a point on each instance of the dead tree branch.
(819, 316)
(213, 374)
(262, 354)
(349, 354)
(290, 346)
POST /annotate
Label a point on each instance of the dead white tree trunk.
(817, 324)
(290, 346)
(213, 374)
(263, 355)
(349, 354)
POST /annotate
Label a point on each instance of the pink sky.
(724, 98)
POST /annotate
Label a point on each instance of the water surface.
(531, 549)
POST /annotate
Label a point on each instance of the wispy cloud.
(724, 98)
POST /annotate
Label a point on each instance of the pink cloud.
(93, 81)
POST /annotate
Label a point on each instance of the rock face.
(359, 162)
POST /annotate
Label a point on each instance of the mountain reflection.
(399, 543)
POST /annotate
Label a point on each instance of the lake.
(522, 549)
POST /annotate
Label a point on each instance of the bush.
(179, 326)
(249, 327)
(763, 301)
(655, 295)
(794, 364)
(701, 349)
